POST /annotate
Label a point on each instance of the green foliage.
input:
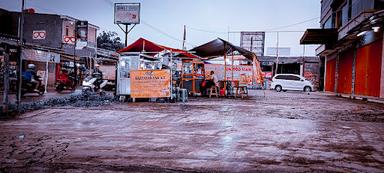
(109, 40)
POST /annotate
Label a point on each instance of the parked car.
(284, 82)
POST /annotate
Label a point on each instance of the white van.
(284, 82)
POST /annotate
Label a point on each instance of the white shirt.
(214, 78)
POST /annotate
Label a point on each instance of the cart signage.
(150, 83)
(240, 72)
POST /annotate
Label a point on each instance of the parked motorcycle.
(94, 83)
(29, 87)
(65, 83)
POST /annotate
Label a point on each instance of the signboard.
(81, 34)
(39, 35)
(127, 13)
(253, 41)
(150, 83)
(41, 56)
(242, 73)
(69, 40)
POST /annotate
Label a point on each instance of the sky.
(162, 21)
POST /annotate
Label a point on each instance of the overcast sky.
(162, 20)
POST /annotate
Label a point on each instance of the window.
(287, 77)
(66, 31)
(344, 15)
(294, 78)
(281, 77)
(328, 23)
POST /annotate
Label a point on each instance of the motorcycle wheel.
(59, 88)
(86, 92)
(41, 91)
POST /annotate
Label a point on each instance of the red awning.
(144, 45)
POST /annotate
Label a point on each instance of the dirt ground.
(267, 132)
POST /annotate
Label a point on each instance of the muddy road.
(278, 132)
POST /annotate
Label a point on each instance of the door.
(126, 64)
(296, 83)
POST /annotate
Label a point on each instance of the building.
(351, 39)
(49, 41)
(309, 67)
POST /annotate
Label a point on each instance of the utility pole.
(20, 61)
(74, 55)
(277, 53)
(184, 38)
(6, 78)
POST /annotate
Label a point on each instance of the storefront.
(45, 62)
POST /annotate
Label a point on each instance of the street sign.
(38, 35)
(127, 13)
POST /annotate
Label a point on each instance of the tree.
(109, 40)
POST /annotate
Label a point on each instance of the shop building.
(49, 41)
(351, 38)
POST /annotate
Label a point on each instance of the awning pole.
(232, 64)
(225, 69)
(46, 77)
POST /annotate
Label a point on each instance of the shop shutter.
(368, 69)
(330, 75)
(344, 81)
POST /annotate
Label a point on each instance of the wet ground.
(268, 132)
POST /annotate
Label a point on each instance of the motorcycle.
(94, 83)
(29, 87)
(65, 83)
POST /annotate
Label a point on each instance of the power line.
(287, 26)
(207, 31)
(267, 30)
(164, 33)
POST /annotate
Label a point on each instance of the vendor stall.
(220, 48)
(146, 69)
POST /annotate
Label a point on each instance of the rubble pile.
(76, 100)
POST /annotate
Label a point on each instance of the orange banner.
(150, 83)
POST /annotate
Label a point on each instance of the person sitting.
(99, 75)
(30, 76)
(211, 80)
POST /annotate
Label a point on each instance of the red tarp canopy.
(144, 45)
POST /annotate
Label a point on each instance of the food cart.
(143, 76)
(193, 74)
(146, 70)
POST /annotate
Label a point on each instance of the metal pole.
(225, 69)
(233, 56)
(6, 78)
(277, 53)
(20, 65)
(126, 35)
(74, 55)
(184, 38)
